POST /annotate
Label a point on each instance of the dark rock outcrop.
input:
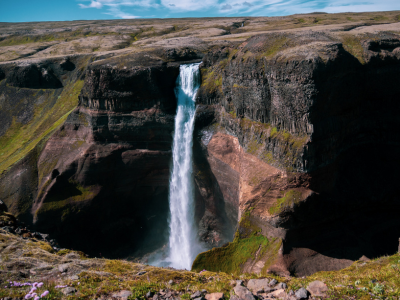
(33, 77)
(133, 84)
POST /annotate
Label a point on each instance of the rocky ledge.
(32, 268)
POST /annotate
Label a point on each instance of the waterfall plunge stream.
(183, 243)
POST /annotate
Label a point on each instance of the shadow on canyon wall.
(358, 217)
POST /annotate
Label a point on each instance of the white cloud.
(226, 7)
(189, 5)
(287, 7)
(117, 8)
(118, 13)
(93, 4)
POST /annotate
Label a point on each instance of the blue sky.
(62, 10)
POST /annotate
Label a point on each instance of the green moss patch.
(231, 258)
(277, 45)
(352, 44)
(23, 39)
(380, 18)
(291, 198)
(211, 80)
(248, 244)
(64, 199)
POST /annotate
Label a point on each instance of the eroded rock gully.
(295, 155)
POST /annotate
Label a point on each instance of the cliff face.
(295, 150)
(99, 183)
(322, 117)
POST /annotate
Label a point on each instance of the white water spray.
(183, 244)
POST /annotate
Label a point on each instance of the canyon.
(295, 143)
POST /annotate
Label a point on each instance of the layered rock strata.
(322, 116)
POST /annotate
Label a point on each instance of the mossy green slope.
(21, 138)
(249, 245)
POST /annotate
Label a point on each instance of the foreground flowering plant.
(34, 292)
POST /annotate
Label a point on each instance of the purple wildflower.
(28, 296)
(44, 294)
(36, 298)
(40, 284)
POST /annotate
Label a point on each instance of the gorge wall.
(322, 120)
(295, 150)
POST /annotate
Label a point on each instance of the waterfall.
(183, 244)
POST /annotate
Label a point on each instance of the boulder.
(317, 288)
(69, 291)
(239, 282)
(72, 255)
(281, 285)
(195, 295)
(63, 268)
(258, 285)
(301, 294)
(273, 282)
(122, 295)
(243, 293)
(278, 294)
(215, 296)
(73, 277)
